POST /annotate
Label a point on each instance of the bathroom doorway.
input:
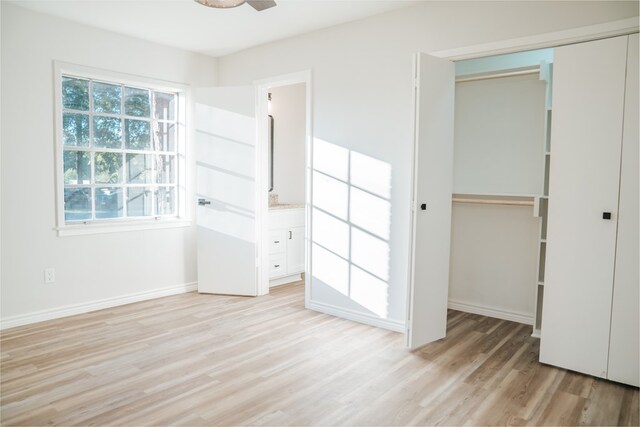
(284, 156)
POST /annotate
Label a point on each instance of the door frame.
(262, 176)
(540, 41)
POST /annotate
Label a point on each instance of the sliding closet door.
(433, 177)
(625, 322)
(588, 94)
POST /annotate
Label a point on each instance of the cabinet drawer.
(276, 241)
(277, 265)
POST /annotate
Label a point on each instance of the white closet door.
(625, 321)
(588, 101)
(433, 177)
(225, 163)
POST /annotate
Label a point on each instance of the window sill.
(100, 228)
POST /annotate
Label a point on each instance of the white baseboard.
(392, 325)
(70, 310)
(491, 312)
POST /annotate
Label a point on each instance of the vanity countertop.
(286, 206)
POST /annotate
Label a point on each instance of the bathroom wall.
(288, 108)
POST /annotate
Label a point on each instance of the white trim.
(262, 179)
(412, 208)
(540, 41)
(483, 310)
(392, 325)
(71, 310)
(183, 216)
(100, 228)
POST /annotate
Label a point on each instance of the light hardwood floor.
(212, 360)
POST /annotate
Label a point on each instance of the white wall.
(499, 136)
(362, 105)
(288, 108)
(493, 259)
(93, 267)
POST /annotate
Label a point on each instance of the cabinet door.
(277, 265)
(277, 242)
(295, 250)
(625, 321)
(588, 101)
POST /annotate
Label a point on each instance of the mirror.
(270, 153)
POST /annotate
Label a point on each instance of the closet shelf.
(495, 199)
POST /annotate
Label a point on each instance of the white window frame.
(182, 218)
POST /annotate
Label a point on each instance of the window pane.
(77, 167)
(75, 93)
(77, 204)
(106, 98)
(139, 201)
(165, 167)
(164, 136)
(139, 168)
(107, 132)
(108, 202)
(164, 106)
(75, 129)
(108, 168)
(165, 201)
(137, 134)
(136, 102)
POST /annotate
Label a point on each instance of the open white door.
(226, 192)
(433, 176)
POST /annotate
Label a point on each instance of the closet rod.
(499, 75)
(494, 202)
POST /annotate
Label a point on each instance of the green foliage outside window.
(110, 135)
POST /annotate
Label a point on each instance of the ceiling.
(188, 25)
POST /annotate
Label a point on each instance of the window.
(120, 146)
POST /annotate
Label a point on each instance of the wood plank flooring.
(213, 360)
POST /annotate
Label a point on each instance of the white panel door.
(624, 357)
(588, 98)
(295, 250)
(433, 176)
(225, 161)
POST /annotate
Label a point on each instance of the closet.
(553, 186)
(590, 304)
(502, 110)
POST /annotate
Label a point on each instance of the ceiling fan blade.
(261, 4)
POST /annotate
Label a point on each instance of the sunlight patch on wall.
(330, 269)
(369, 291)
(370, 212)
(331, 159)
(370, 253)
(331, 195)
(371, 174)
(331, 233)
(351, 217)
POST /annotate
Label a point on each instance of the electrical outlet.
(49, 275)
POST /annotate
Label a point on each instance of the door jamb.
(262, 177)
